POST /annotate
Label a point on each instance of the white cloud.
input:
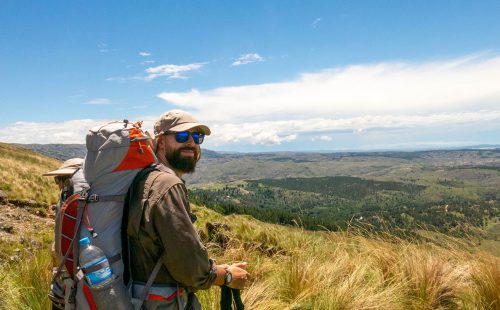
(351, 99)
(247, 58)
(73, 131)
(464, 84)
(262, 132)
(315, 22)
(98, 101)
(172, 71)
(355, 102)
(323, 138)
(279, 131)
(50, 132)
(144, 54)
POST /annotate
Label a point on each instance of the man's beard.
(182, 163)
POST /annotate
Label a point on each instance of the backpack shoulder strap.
(125, 241)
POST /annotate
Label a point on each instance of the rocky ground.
(21, 221)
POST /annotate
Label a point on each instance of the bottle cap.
(85, 241)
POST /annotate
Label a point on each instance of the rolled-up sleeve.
(186, 257)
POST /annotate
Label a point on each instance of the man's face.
(60, 180)
(181, 156)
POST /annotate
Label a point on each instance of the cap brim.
(187, 126)
(64, 171)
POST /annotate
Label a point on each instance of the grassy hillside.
(21, 174)
(393, 166)
(296, 269)
(291, 268)
(336, 202)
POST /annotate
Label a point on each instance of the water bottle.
(90, 255)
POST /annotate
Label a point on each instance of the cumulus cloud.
(73, 131)
(363, 101)
(99, 101)
(262, 132)
(396, 88)
(172, 71)
(279, 131)
(48, 132)
(247, 58)
(351, 99)
(144, 54)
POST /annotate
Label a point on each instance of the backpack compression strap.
(151, 279)
(81, 206)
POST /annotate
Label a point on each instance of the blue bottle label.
(100, 275)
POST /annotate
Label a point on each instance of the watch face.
(228, 278)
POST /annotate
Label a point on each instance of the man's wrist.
(228, 277)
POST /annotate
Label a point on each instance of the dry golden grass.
(326, 270)
(296, 269)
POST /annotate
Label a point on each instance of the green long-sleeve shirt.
(160, 221)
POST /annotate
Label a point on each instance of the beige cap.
(177, 121)
(67, 168)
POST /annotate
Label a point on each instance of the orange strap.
(168, 298)
(89, 298)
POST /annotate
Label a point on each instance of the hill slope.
(291, 268)
(21, 174)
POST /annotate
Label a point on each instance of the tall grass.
(25, 279)
(485, 276)
(349, 270)
(296, 269)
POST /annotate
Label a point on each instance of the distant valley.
(456, 192)
(216, 167)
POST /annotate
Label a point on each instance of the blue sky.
(264, 75)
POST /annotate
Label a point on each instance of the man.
(161, 223)
(63, 177)
(64, 173)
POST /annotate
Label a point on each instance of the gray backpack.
(116, 153)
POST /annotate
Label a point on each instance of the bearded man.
(160, 227)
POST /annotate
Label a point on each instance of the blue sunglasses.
(183, 136)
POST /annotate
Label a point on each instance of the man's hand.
(240, 277)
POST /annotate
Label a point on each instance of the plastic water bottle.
(90, 255)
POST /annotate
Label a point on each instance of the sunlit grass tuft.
(485, 275)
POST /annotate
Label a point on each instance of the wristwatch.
(228, 277)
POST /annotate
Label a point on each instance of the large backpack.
(116, 153)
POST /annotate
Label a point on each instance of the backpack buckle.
(93, 198)
(84, 195)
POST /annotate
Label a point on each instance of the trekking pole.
(225, 298)
(230, 297)
(237, 299)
